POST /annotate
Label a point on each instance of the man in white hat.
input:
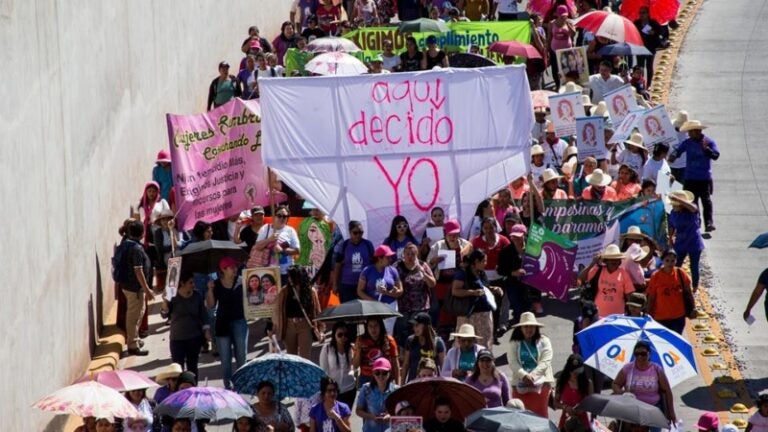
(460, 360)
(604, 82)
(701, 151)
(610, 284)
(599, 189)
(554, 148)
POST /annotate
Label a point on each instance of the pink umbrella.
(88, 399)
(540, 98)
(610, 25)
(515, 48)
(120, 380)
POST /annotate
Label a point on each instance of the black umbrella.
(503, 419)
(357, 310)
(467, 60)
(624, 407)
(204, 256)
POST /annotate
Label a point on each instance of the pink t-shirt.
(561, 37)
(627, 191)
(758, 422)
(608, 195)
(611, 289)
(644, 384)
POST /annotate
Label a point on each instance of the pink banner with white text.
(216, 162)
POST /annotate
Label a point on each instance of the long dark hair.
(479, 209)
(476, 369)
(517, 334)
(347, 344)
(381, 341)
(393, 230)
(574, 362)
(429, 336)
(298, 279)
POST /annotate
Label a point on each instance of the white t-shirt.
(285, 234)
(632, 160)
(758, 422)
(391, 63)
(553, 154)
(537, 173)
(600, 87)
(651, 169)
(506, 6)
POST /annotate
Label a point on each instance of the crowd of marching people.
(450, 317)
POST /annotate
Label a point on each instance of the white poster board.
(565, 108)
(590, 137)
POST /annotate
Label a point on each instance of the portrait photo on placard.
(573, 61)
(172, 277)
(260, 286)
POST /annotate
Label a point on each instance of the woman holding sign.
(381, 282)
(470, 281)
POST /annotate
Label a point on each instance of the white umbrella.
(336, 63)
(88, 399)
(331, 44)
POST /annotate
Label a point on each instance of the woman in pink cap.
(230, 327)
(381, 282)
(370, 400)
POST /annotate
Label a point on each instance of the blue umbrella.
(292, 376)
(624, 49)
(608, 345)
(216, 405)
(761, 242)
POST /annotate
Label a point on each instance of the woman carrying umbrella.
(375, 343)
(647, 381)
(370, 400)
(530, 359)
(270, 411)
(231, 328)
(336, 361)
(572, 386)
(330, 415)
(493, 384)
(296, 306)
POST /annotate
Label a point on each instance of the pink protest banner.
(216, 162)
(370, 147)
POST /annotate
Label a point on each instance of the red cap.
(227, 262)
(383, 251)
(451, 226)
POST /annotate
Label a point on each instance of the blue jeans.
(695, 259)
(238, 337)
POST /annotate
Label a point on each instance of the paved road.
(721, 81)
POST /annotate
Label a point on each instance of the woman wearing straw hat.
(634, 155)
(551, 186)
(599, 189)
(530, 359)
(701, 151)
(609, 283)
(537, 164)
(460, 359)
(685, 231)
(167, 379)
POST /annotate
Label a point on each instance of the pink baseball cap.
(382, 364)
(451, 226)
(562, 10)
(227, 262)
(383, 251)
(518, 230)
(255, 44)
(707, 421)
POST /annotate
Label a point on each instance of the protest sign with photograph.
(565, 108)
(657, 128)
(405, 423)
(260, 286)
(623, 130)
(573, 60)
(620, 103)
(590, 138)
(172, 277)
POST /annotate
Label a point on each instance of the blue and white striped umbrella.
(608, 345)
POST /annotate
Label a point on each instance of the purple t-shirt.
(353, 258)
(496, 394)
(644, 384)
(687, 227)
(377, 281)
(325, 423)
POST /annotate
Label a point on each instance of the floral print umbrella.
(216, 405)
(88, 399)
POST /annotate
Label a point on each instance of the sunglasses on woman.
(381, 373)
(641, 354)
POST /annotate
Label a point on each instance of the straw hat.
(466, 331)
(692, 125)
(550, 127)
(612, 252)
(639, 253)
(637, 300)
(570, 166)
(537, 150)
(173, 370)
(599, 178)
(601, 109)
(570, 151)
(634, 232)
(570, 87)
(680, 118)
(549, 175)
(528, 319)
(681, 196)
(636, 140)
(586, 101)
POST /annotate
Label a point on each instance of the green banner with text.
(460, 37)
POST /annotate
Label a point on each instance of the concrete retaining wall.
(86, 86)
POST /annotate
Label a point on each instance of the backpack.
(121, 272)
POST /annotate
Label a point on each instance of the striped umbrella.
(611, 26)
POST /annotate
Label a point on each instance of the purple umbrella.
(216, 405)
